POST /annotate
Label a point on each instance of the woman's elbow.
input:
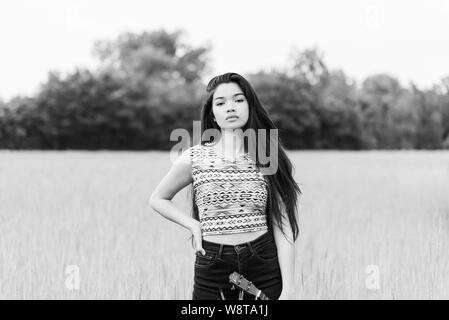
(152, 201)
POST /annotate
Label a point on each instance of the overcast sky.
(407, 39)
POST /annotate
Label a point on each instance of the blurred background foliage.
(145, 85)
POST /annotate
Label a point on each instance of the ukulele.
(238, 280)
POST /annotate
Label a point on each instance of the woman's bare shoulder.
(186, 157)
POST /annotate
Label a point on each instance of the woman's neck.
(230, 143)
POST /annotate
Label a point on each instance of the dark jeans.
(256, 260)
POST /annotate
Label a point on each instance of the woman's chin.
(233, 126)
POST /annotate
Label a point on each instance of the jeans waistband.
(221, 248)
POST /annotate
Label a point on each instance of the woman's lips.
(232, 118)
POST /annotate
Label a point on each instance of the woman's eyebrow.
(233, 96)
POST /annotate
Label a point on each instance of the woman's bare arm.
(286, 255)
(179, 176)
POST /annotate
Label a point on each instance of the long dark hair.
(283, 190)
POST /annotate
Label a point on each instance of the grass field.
(89, 209)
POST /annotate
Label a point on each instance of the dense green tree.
(147, 84)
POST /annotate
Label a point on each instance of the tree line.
(146, 85)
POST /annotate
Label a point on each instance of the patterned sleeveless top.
(231, 196)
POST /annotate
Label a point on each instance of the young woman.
(243, 220)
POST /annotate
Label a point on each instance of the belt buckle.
(239, 248)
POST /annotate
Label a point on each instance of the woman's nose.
(231, 105)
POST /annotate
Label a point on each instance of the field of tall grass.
(359, 210)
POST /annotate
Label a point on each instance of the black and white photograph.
(224, 150)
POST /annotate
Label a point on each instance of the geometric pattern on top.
(231, 196)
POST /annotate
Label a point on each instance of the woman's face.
(229, 100)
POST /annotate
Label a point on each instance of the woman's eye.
(221, 103)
